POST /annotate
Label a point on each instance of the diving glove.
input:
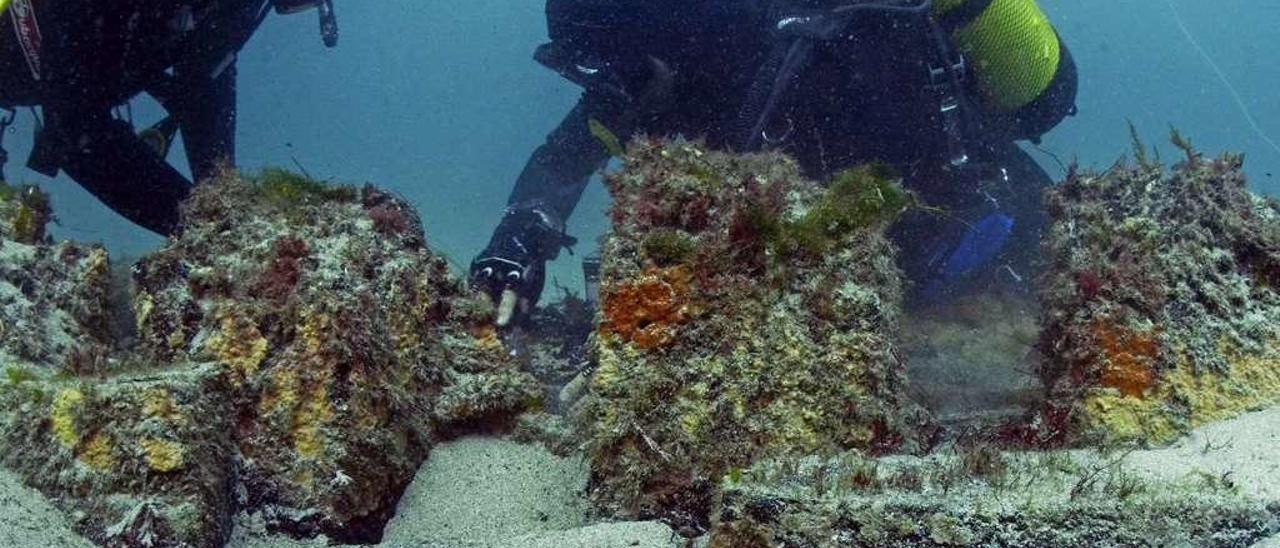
(512, 269)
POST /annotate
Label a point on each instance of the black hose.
(923, 7)
(763, 87)
(784, 63)
(773, 78)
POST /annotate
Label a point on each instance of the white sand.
(28, 519)
(475, 491)
(487, 492)
(1246, 449)
(639, 534)
(1273, 542)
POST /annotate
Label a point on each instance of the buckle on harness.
(940, 77)
(943, 81)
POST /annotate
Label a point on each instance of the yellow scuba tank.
(1013, 50)
(1021, 69)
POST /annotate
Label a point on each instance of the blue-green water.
(441, 102)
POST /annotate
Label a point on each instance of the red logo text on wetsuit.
(28, 31)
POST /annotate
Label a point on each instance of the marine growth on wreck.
(1162, 302)
(298, 351)
(738, 321)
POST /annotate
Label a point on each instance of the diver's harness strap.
(799, 31)
(946, 82)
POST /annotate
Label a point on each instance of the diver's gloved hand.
(512, 269)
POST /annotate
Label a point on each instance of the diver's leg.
(206, 114)
(104, 156)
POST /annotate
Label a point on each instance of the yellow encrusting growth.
(98, 452)
(489, 341)
(65, 406)
(159, 403)
(305, 394)
(314, 331)
(308, 420)
(162, 455)
(280, 393)
(97, 267)
(143, 305)
(405, 323)
(1253, 382)
(238, 345)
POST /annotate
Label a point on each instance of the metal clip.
(943, 81)
(776, 140)
(940, 76)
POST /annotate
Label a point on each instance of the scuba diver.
(79, 61)
(940, 90)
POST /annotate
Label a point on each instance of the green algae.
(287, 189)
(856, 199)
(16, 375)
(7, 192)
(668, 247)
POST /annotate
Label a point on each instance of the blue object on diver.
(980, 244)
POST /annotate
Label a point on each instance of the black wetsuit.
(91, 57)
(864, 97)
